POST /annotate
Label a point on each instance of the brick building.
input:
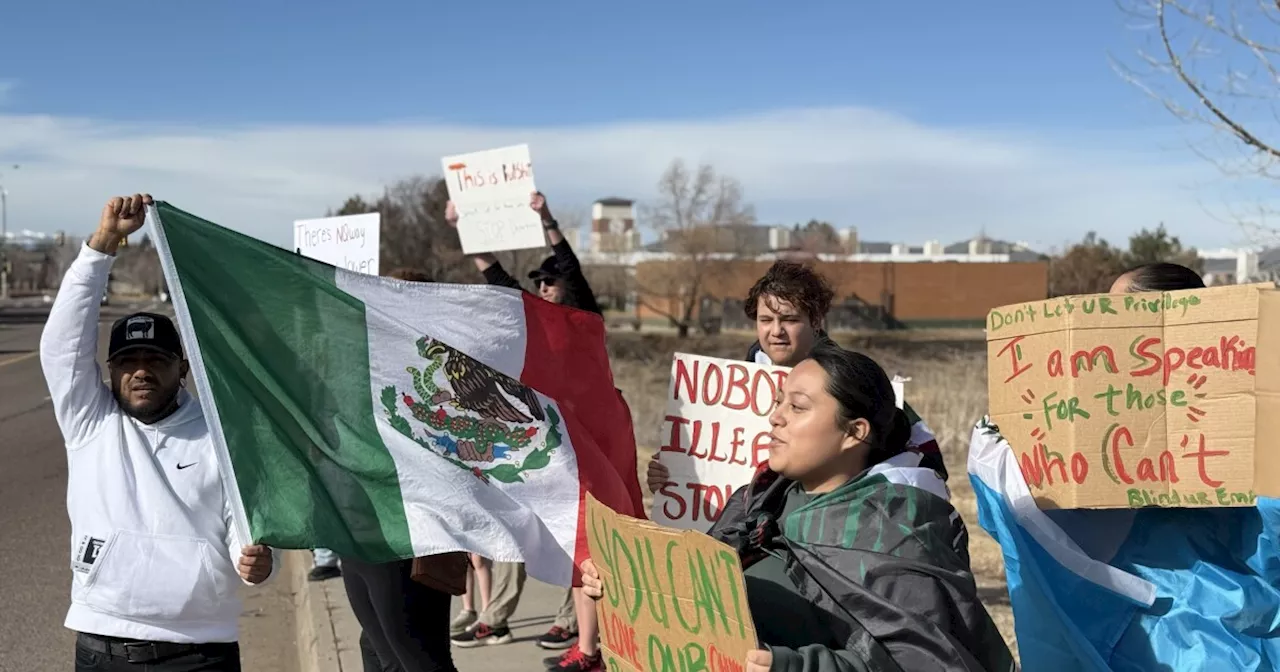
(911, 293)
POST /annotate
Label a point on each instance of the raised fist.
(123, 215)
(539, 204)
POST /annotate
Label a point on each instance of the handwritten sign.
(672, 600)
(1130, 400)
(349, 242)
(714, 436)
(491, 191)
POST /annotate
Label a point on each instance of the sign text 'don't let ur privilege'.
(1131, 400)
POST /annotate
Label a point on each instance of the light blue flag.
(1149, 589)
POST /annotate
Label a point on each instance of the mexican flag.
(385, 419)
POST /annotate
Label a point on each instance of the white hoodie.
(153, 547)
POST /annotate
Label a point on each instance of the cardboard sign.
(714, 436)
(349, 242)
(1131, 400)
(672, 600)
(491, 191)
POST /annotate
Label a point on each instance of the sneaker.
(462, 622)
(557, 638)
(553, 662)
(483, 635)
(574, 660)
(324, 573)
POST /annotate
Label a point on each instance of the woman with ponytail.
(854, 557)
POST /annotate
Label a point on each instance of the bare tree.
(1088, 267)
(1216, 64)
(817, 237)
(701, 219)
(414, 231)
(416, 235)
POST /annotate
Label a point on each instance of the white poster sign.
(715, 435)
(349, 242)
(491, 191)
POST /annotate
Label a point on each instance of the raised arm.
(566, 261)
(487, 264)
(69, 343)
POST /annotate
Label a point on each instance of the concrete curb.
(317, 638)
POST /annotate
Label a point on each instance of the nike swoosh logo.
(184, 466)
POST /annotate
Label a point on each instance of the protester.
(1136, 589)
(1158, 277)
(155, 553)
(479, 588)
(559, 279)
(852, 561)
(501, 584)
(405, 622)
(789, 306)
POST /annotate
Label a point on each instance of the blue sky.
(1008, 63)
(284, 108)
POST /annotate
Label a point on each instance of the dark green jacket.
(888, 562)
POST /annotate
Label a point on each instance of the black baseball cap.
(549, 270)
(144, 331)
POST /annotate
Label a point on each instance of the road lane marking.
(19, 358)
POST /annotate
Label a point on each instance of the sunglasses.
(550, 282)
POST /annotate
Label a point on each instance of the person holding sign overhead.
(853, 557)
(1135, 588)
(559, 280)
(789, 306)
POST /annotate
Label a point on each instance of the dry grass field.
(948, 389)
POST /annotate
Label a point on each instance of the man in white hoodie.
(155, 555)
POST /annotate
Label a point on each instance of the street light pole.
(4, 243)
(4, 240)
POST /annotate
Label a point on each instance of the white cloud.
(893, 178)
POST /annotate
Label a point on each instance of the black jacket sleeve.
(569, 266)
(497, 275)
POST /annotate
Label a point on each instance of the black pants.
(405, 622)
(368, 656)
(201, 658)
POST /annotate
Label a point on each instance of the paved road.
(34, 530)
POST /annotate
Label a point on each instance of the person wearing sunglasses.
(559, 279)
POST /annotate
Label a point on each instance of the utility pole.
(4, 244)
(4, 240)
